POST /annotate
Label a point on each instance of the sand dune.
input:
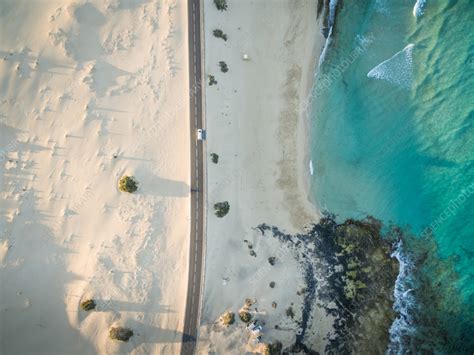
(89, 92)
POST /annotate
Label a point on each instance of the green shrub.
(224, 67)
(220, 34)
(119, 333)
(271, 260)
(128, 184)
(212, 80)
(221, 209)
(272, 284)
(221, 4)
(245, 316)
(88, 305)
(266, 349)
(228, 318)
(290, 313)
(273, 349)
(214, 158)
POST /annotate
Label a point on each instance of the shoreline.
(304, 131)
(256, 126)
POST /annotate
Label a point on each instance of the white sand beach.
(91, 91)
(256, 124)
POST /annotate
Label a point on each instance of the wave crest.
(397, 70)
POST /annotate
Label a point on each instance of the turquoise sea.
(393, 137)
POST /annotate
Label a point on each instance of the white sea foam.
(382, 6)
(397, 70)
(311, 169)
(332, 11)
(419, 8)
(324, 51)
(405, 302)
(364, 41)
(332, 14)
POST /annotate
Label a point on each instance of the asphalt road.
(191, 320)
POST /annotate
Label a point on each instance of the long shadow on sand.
(163, 187)
(32, 291)
(146, 334)
(123, 306)
(33, 317)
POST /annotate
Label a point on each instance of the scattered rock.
(301, 292)
(271, 260)
(290, 313)
(250, 246)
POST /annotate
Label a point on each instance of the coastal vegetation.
(120, 333)
(223, 66)
(127, 184)
(88, 305)
(221, 4)
(245, 316)
(212, 80)
(221, 208)
(228, 318)
(214, 158)
(219, 34)
(273, 349)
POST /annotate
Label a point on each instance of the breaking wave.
(397, 70)
(405, 302)
(419, 8)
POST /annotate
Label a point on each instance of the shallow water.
(393, 137)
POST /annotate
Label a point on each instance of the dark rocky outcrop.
(355, 262)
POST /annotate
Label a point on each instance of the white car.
(200, 134)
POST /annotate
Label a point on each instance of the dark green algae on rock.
(349, 271)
